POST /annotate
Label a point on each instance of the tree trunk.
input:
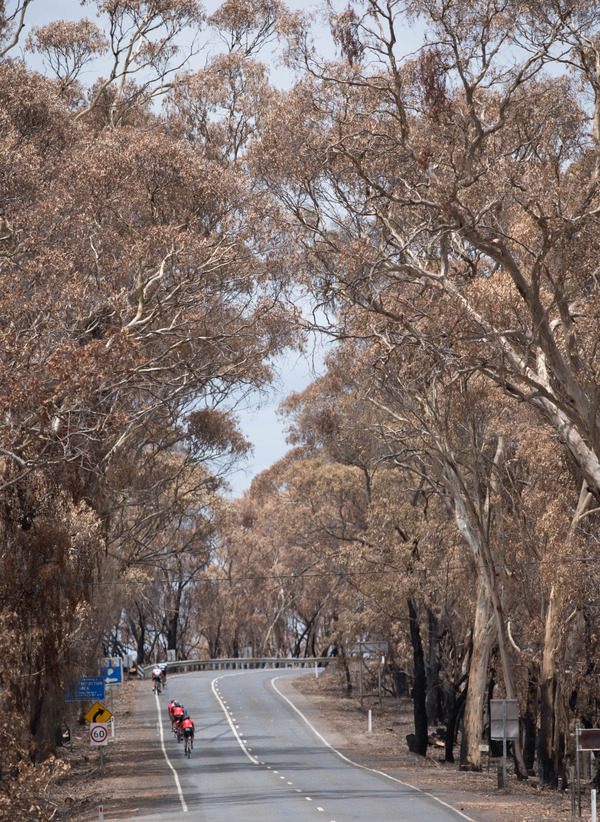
(400, 680)
(173, 621)
(483, 632)
(531, 714)
(141, 641)
(546, 767)
(455, 701)
(420, 683)
(474, 527)
(434, 689)
(214, 642)
(346, 668)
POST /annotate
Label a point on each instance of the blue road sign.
(89, 687)
(113, 675)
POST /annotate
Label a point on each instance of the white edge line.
(184, 806)
(231, 725)
(364, 767)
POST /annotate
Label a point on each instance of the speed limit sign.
(99, 733)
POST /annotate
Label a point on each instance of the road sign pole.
(101, 749)
(504, 744)
(577, 766)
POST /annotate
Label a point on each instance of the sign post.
(504, 725)
(99, 738)
(374, 647)
(586, 739)
(112, 674)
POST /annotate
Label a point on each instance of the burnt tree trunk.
(454, 704)
(172, 623)
(546, 760)
(434, 688)
(420, 684)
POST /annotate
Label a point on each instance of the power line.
(380, 572)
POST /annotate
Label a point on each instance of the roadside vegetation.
(171, 220)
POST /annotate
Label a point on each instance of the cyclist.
(170, 710)
(156, 679)
(163, 672)
(177, 714)
(174, 704)
(187, 726)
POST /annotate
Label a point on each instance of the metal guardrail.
(184, 666)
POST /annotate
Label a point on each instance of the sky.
(293, 372)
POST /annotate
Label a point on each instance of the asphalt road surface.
(256, 758)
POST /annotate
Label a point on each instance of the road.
(256, 758)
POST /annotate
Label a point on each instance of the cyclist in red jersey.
(177, 715)
(187, 726)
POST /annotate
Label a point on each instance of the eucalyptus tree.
(140, 299)
(449, 198)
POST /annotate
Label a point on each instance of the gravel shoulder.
(137, 781)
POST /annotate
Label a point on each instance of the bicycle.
(156, 687)
(187, 746)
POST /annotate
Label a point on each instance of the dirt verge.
(384, 749)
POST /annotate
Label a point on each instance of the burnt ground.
(136, 780)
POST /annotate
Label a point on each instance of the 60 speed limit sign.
(99, 733)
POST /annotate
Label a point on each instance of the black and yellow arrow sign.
(98, 713)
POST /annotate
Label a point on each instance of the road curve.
(256, 758)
